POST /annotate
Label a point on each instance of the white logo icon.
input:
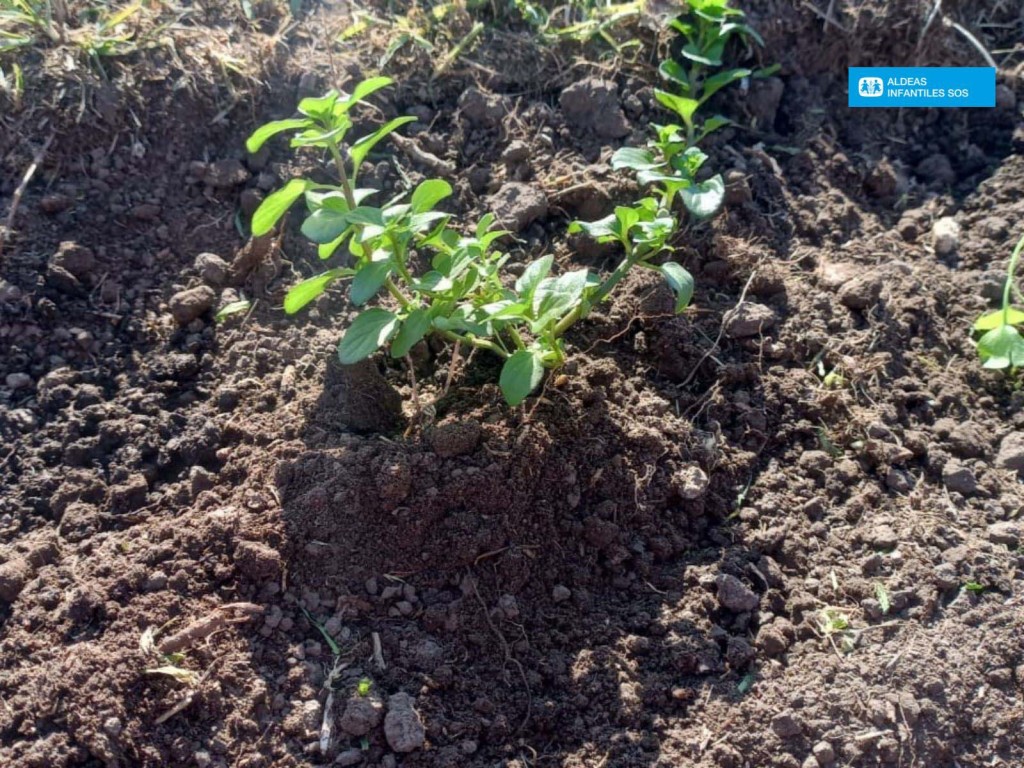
(871, 87)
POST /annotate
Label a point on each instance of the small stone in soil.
(225, 174)
(257, 561)
(349, 757)
(402, 726)
(882, 537)
(593, 104)
(18, 381)
(1007, 532)
(560, 593)
(361, 715)
(824, 753)
(690, 482)
(481, 108)
(455, 439)
(517, 205)
(748, 319)
(959, 478)
(861, 292)
(1011, 452)
(55, 203)
(734, 595)
(786, 725)
(946, 236)
(76, 259)
(212, 268)
(192, 304)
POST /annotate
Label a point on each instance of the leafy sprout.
(1001, 345)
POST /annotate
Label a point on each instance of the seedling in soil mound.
(463, 296)
(1001, 346)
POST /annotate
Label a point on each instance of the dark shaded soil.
(782, 529)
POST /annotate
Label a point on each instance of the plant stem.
(1011, 271)
(395, 291)
(342, 175)
(602, 292)
(475, 342)
(516, 337)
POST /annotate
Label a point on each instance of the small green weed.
(1001, 345)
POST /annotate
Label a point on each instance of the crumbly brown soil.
(636, 568)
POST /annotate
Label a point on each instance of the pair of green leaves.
(1001, 346)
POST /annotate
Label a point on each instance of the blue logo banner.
(922, 87)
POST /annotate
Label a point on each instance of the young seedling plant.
(672, 159)
(1001, 345)
(462, 296)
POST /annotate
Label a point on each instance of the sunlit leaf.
(369, 332)
(520, 375)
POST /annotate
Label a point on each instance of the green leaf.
(601, 230)
(520, 375)
(1001, 347)
(673, 71)
(681, 283)
(368, 333)
(325, 225)
(319, 107)
(532, 275)
(635, 159)
(362, 148)
(317, 137)
(361, 91)
(627, 218)
(556, 297)
(681, 105)
(683, 27)
(260, 135)
(276, 204)
(414, 328)
(717, 82)
(421, 222)
(301, 294)
(366, 215)
(743, 30)
(691, 161)
(433, 282)
(326, 250)
(232, 308)
(428, 194)
(711, 125)
(704, 199)
(991, 320)
(711, 56)
(505, 309)
(368, 281)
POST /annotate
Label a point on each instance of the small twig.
(179, 707)
(16, 200)
(508, 656)
(451, 369)
(721, 332)
(415, 388)
(207, 625)
(431, 162)
(378, 652)
(972, 40)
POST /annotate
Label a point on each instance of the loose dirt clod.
(402, 725)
